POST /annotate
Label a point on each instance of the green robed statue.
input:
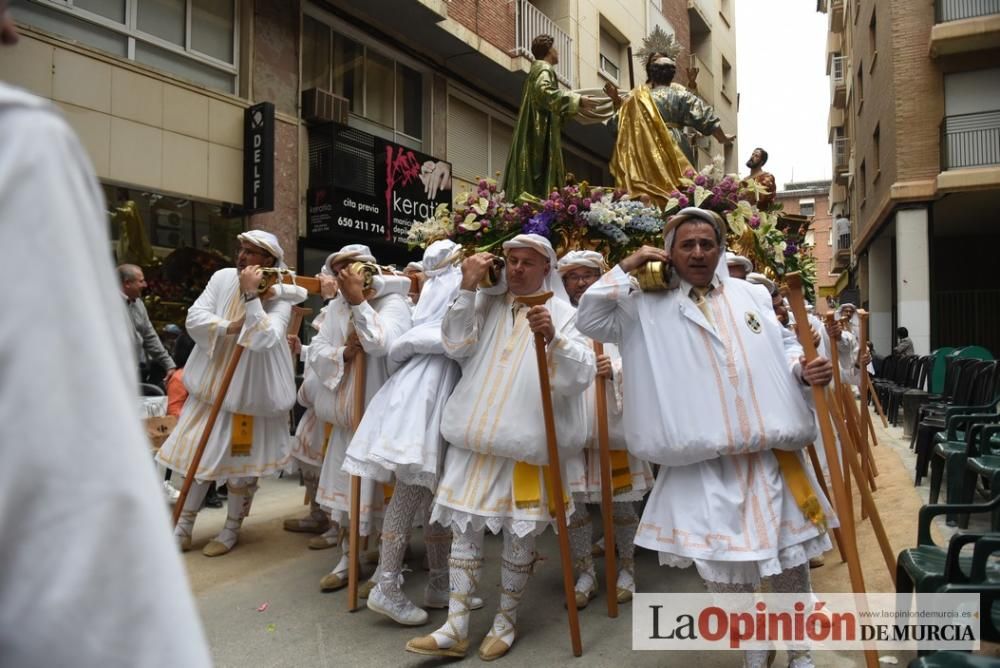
(535, 163)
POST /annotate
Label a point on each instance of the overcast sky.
(783, 87)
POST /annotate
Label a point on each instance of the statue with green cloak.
(535, 162)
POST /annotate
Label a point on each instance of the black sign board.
(368, 188)
(258, 158)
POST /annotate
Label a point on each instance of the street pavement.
(261, 605)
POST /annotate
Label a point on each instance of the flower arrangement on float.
(579, 215)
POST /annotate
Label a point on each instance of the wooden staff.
(878, 404)
(631, 70)
(555, 476)
(213, 415)
(821, 479)
(607, 485)
(227, 379)
(845, 399)
(355, 538)
(833, 462)
(298, 314)
(866, 452)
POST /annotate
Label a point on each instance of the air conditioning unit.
(322, 106)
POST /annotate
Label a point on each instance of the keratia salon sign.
(367, 187)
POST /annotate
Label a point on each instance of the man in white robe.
(90, 576)
(701, 360)
(305, 448)
(400, 438)
(249, 436)
(631, 477)
(493, 472)
(358, 322)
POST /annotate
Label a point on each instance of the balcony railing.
(531, 22)
(956, 10)
(844, 243)
(970, 140)
(841, 153)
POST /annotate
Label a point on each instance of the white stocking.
(794, 580)
(465, 566)
(241, 491)
(581, 537)
(626, 522)
(752, 658)
(192, 504)
(517, 562)
(437, 541)
(406, 501)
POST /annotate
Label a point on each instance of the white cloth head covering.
(416, 266)
(443, 280)
(542, 246)
(855, 318)
(268, 242)
(713, 219)
(582, 258)
(733, 258)
(761, 279)
(356, 252)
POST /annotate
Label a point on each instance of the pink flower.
(586, 203)
(699, 180)
(683, 201)
(688, 173)
(754, 222)
(483, 184)
(572, 209)
(554, 196)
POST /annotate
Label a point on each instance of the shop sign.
(258, 158)
(372, 189)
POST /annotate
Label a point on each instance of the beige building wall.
(139, 127)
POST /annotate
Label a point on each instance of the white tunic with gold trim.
(709, 402)
(583, 470)
(494, 417)
(378, 323)
(263, 386)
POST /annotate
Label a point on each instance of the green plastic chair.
(985, 464)
(954, 660)
(952, 451)
(929, 566)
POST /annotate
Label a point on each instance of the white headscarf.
(713, 219)
(542, 246)
(356, 252)
(416, 266)
(733, 258)
(443, 280)
(268, 242)
(582, 258)
(761, 279)
(855, 318)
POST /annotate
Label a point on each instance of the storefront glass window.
(348, 72)
(379, 96)
(315, 54)
(179, 243)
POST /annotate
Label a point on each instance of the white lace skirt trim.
(463, 522)
(751, 572)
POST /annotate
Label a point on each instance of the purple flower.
(688, 173)
(700, 180)
(683, 201)
(586, 203)
(458, 218)
(754, 222)
(483, 184)
(554, 196)
(791, 249)
(572, 209)
(549, 205)
(538, 224)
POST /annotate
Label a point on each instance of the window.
(193, 39)
(478, 141)
(610, 56)
(862, 181)
(876, 158)
(860, 92)
(807, 207)
(872, 36)
(728, 85)
(387, 94)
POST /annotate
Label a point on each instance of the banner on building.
(369, 189)
(258, 158)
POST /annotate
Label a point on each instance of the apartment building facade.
(159, 92)
(915, 128)
(811, 199)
